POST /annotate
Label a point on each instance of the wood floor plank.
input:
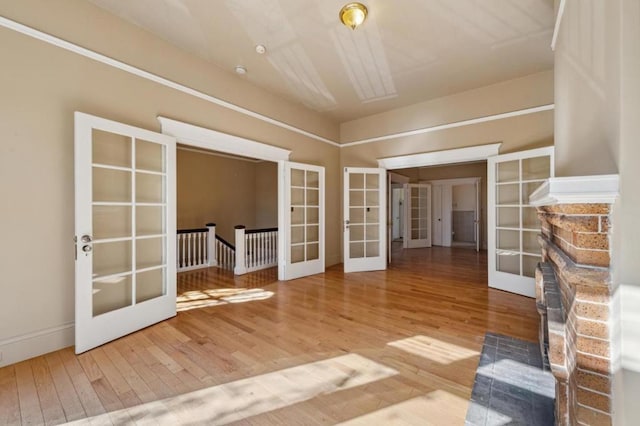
(30, 409)
(9, 402)
(49, 402)
(421, 322)
(69, 399)
(85, 392)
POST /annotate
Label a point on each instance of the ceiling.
(407, 51)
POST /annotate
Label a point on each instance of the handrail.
(225, 242)
(190, 231)
(256, 231)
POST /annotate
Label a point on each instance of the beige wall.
(226, 191)
(597, 77)
(266, 195)
(41, 87)
(516, 133)
(512, 95)
(453, 172)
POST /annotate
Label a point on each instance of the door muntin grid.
(304, 215)
(517, 224)
(128, 209)
(364, 215)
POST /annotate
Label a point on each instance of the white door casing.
(417, 232)
(365, 222)
(302, 235)
(125, 227)
(513, 223)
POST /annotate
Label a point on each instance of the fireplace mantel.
(598, 189)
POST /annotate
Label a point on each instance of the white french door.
(514, 226)
(303, 220)
(417, 231)
(476, 218)
(365, 219)
(125, 228)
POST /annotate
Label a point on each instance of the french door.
(514, 226)
(303, 220)
(417, 231)
(125, 227)
(365, 219)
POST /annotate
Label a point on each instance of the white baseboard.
(20, 348)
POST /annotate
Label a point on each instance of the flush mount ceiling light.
(353, 15)
(240, 70)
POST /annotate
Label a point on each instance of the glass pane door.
(305, 220)
(418, 211)
(128, 208)
(125, 216)
(365, 219)
(514, 225)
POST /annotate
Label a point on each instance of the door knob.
(85, 239)
(86, 248)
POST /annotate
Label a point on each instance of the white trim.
(453, 125)
(556, 29)
(29, 345)
(98, 57)
(223, 142)
(576, 190)
(435, 158)
(216, 154)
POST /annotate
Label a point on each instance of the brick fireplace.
(574, 292)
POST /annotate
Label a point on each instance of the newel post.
(241, 263)
(212, 258)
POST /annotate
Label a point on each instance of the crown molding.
(454, 124)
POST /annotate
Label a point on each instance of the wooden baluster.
(241, 251)
(184, 251)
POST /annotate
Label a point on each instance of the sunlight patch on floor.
(435, 408)
(434, 349)
(248, 397)
(219, 296)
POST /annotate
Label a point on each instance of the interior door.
(477, 216)
(365, 221)
(436, 215)
(514, 226)
(125, 226)
(303, 192)
(417, 232)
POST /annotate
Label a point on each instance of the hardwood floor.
(392, 347)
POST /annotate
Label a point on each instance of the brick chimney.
(574, 292)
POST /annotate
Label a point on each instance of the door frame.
(477, 181)
(189, 134)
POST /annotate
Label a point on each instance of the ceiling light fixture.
(260, 49)
(353, 15)
(240, 70)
